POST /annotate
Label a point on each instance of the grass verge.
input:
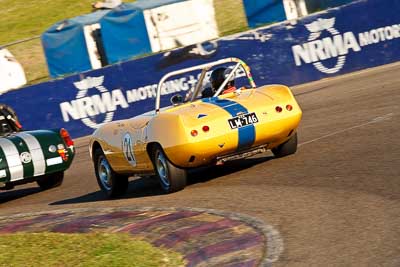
(89, 250)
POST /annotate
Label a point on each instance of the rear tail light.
(66, 137)
(63, 154)
(289, 107)
(194, 133)
(206, 128)
(278, 109)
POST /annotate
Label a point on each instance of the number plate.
(243, 120)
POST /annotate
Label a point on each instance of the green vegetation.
(230, 16)
(20, 19)
(91, 250)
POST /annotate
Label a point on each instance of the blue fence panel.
(361, 35)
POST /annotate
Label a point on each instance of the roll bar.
(205, 67)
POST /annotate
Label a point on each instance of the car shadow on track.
(149, 186)
(138, 187)
(206, 174)
(6, 196)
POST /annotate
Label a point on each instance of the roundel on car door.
(127, 148)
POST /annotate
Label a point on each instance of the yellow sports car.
(224, 124)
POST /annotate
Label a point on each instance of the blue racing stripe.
(247, 134)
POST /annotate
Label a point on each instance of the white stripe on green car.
(39, 164)
(13, 160)
(24, 155)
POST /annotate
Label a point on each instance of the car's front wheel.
(287, 148)
(50, 180)
(171, 178)
(110, 182)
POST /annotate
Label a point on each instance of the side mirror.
(176, 99)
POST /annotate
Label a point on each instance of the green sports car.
(39, 156)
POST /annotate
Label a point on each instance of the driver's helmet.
(219, 75)
(8, 120)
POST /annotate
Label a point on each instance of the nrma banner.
(356, 36)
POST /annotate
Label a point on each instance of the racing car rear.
(235, 125)
(29, 156)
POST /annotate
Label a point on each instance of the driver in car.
(217, 77)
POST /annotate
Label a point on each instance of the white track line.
(375, 120)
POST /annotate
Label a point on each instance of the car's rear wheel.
(287, 148)
(51, 180)
(171, 178)
(110, 182)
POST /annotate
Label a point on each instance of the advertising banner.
(361, 35)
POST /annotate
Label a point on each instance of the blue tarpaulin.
(262, 12)
(64, 45)
(124, 33)
(124, 30)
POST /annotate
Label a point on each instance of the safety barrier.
(361, 35)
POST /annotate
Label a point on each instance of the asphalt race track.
(336, 202)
